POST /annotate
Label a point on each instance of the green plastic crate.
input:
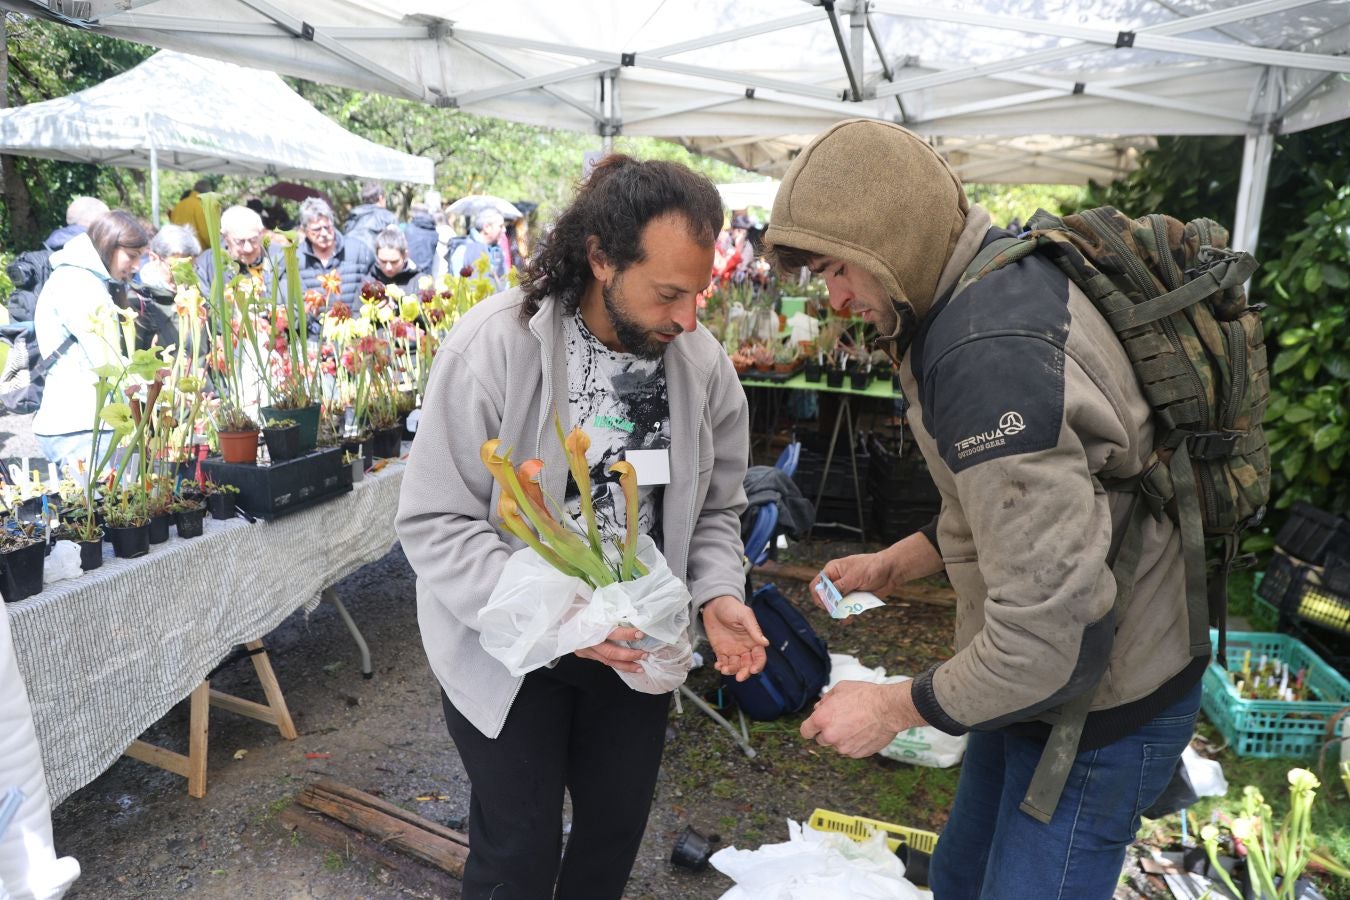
(1272, 729)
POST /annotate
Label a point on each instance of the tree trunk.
(23, 228)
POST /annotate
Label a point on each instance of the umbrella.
(289, 190)
(473, 204)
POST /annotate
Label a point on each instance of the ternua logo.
(1009, 424)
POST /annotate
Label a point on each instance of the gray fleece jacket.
(496, 377)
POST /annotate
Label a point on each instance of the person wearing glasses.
(241, 237)
(323, 250)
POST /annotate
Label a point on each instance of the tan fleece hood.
(874, 195)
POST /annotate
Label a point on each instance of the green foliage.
(1009, 202)
(47, 60)
(1185, 177)
(1307, 420)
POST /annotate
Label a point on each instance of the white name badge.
(653, 466)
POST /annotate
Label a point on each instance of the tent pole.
(1257, 150)
(154, 187)
(607, 113)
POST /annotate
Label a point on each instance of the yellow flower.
(1243, 828)
(409, 309)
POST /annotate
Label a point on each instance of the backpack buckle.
(1211, 445)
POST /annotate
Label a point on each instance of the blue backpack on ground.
(797, 666)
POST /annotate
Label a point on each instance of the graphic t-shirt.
(620, 401)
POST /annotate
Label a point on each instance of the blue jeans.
(67, 450)
(991, 850)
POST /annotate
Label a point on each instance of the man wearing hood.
(1023, 402)
(371, 217)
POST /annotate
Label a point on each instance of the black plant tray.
(283, 487)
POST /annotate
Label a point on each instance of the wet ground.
(137, 833)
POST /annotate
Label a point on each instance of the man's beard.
(636, 339)
(904, 325)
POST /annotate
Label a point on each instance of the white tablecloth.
(106, 655)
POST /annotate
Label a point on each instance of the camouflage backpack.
(1174, 295)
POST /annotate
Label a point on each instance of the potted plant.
(83, 526)
(762, 355)
(283, 439)
(785, 357)
(219, 498)
(127, 522)
(237, 434)
(860, 376)
(188, 517)
(355, 466)
(22, 555)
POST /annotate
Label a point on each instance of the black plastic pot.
(915, 862)
(858, 380)
(812, 371)
(282, 443)
(190, 522)
(387, 443)
(221, 505)
(159, 527)
(834, 377)
(129, 542)
(91, 553)
(306, 417)
(691, 850)
(23, 571)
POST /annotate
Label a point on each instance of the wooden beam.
(272, 690)
(338, 789)
(914, 592)
(354, 809)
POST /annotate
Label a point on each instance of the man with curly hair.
(603, 331)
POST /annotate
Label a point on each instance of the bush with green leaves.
(1308, 420)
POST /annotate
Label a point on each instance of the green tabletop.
(798, 382)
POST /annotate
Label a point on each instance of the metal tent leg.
(331, 596)
(742, 742)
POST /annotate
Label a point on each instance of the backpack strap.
(42, 366)
(1052, 769)
(1227, 271)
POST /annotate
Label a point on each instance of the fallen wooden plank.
(914, 592)
(348, 842)
(339, 789)
(395, 832)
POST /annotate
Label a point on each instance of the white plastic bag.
(815, 865)
(62, 563)
(1206, 775)
(926, 746)
(536, 614)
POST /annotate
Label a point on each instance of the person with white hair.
(324, 251)
(241, 237)
(488, 225)
(80, 214)
(155, 288)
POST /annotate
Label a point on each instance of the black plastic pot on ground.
(282, 443)
(189, 522)
(23, 570)
(131, 541)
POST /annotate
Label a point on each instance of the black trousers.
(575, 726)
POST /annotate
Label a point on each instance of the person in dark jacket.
(241, 237)
(324, 251)
(392, 264)
(370, 218)
(421, 236)
(154, 288)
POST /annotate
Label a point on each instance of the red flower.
(313, 301)
(340, 311)
(466, 271)
(435, 316)
(372, 290)
(348, 360)
(331, 282)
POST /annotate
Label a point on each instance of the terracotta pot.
(239, 446)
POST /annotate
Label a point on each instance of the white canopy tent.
(750, 81)
(201, 115)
